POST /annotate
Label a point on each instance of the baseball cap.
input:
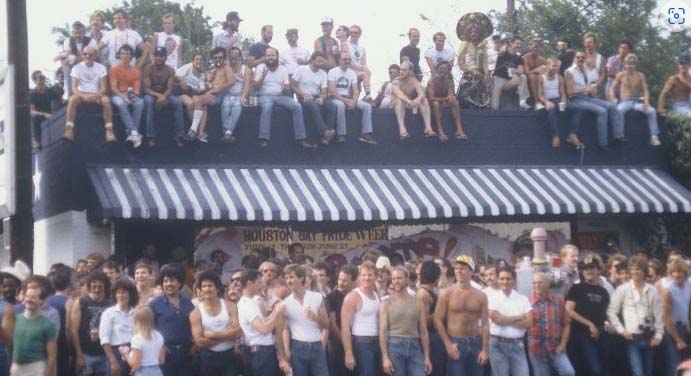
(684, 59)
(383, 262)
(465, 259)
(591, 261)
(233, 15)
(161, 51)
(328, 20)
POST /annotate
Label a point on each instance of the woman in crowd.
(116, 327)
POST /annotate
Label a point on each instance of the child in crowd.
(147, 353)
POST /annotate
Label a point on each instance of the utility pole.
(22, 222)
(511, 16)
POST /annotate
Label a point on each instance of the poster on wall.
(484, 242)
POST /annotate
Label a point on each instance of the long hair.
(144, 322)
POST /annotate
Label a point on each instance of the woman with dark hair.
(117, 324)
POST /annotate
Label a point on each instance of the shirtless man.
(408, 93)
(327, 44)
(440, 92)
(593, 60)
(461, 307)
(361, 311)
(679, 86)
(218, 80)
(534, 65)
(630, 85)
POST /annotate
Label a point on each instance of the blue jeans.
(406, 356)
(36, 121)
(96, 364)
(231, 109)
(681, 108)
(603, 110)
(150, 109)
(315, 111)
(363, 106)
(67, 74)
(589, 349)
(217, 363)
(130, 119)
(437, 354)
(560, 364)
(176, 362)
(672, 355)
(640, 357)
(367, 356)
(4, 362)
(263, 360)
(266, 102)
(650, 113)
(149, 371)
(470, 348)
(308, 358)
(507, 357)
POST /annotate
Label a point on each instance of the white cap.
(20, 270)
(326, 19)
(383, 262)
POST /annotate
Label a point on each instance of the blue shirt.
(173, 323)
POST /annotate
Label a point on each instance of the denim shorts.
(96, 364)
(149, 371)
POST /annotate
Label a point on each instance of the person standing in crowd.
(438, 53)
(384, 98)
(615, 64)
(586, 304)
(441, 94)
(34, 340)
(510, 316)
(171, 313)
(230, 36)
(294, 56)
(493, 53)
(112, 271)
(85, 321)
(214, 325)
(509, 74)
(265, 349)
(566, 56)
(359, 324)
(594, 63)
(676, 297)
(117, 323)
(640, 308)
(305, 316)
(551, 92)
(327, 44)
(236, 98)
(143, 278)
(403, 337)
(347, 274)
(169, 40)
(89, 85)
(72, 52)
(408, 93)
(121, 35)
(273, 290)
(257, 51)
(147, 352)
(60, 279)
(549, 331)
(428, 275)
(456, 317)
(411, 52)
(125, 86)
(613, 274)
(568, 273)
(40, 105)
(233, 289)
(679, 86)
(309, 82)
(149, 257)
(322, 272)
(271, 81)
(159, 80)
(96, 22)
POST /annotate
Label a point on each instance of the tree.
(145, 15)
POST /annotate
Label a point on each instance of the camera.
(646, 329)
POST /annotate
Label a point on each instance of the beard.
(271, 63)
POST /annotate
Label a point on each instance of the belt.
(507, 339)
(368, 338)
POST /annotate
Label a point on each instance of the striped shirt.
(548, 321)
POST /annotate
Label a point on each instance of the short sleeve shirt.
(150, 348)
(42, 100)
(344, 80)
(437, 57)
(505, 61)
(310, 82)
(123, 77)
(248, 310)
(274, 81)
(357, 53)
(88, 77)
(512, 305)
(223, 39)
(257, 50)
(289, 58)
(30, 338)
(186, 73)
(80, 46)
(591, 303)
(115, 39)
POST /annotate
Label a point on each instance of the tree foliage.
(145, 16)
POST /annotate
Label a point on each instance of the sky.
(384, 23)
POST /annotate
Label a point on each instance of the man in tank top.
(462, 307)
(551, 91)
(359, 324)
(214, 325)
(403, 337)
(168, 40)
(428, 277)
(675, 313)
(305, 316)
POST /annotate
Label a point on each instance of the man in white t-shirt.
(359, 63)
(230, 36)
(271, 81)
(306, 317)
(168, 40)
(115, 38)
(89, 85)
(509, 314)
(265, 349)
(310, 84)
(385, 96)
(344, 94)
(294, 56)
(72, 52)
(439, 53)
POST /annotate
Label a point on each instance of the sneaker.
(327, 136)
(572, 139)
(110, 137)
(654, 141)
(190, 136)
(367, 138)
(203, 138)
(305, 145)
(228, 138)
(539, 106)
(263, 142)
(525, 106)
(69, 133)
(620, 141)
(137, 140)
(35, 146)
(556, 142)
(340, 139)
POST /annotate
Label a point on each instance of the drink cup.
(562, 106)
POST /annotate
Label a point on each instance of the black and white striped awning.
(382, 193)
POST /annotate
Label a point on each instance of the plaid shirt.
(548, 321)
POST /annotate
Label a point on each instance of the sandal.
(461, 136)
(443, 137)
(404, 136)
(430, 134)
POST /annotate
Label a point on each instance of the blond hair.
(144, 322)
(631, 59)
(565, 249)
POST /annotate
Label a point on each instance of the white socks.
(196, 119)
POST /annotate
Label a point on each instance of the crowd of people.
(141, 77)
(284, 314)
